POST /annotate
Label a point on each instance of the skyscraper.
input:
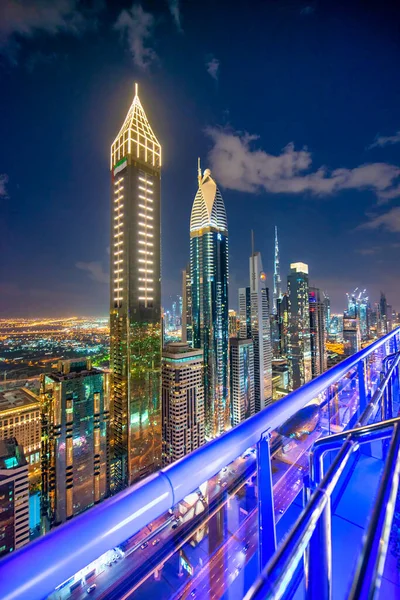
(244, 313)
(75, 440)
(241, 379)
(327, 312)
(317, 332)
(209, 278)
(277, 275)
(260, 333)
(135, 307)
(182, 401)
(383, 315)
(283, 324)
(299, 347)
(233, 323)
(14, 497)
(187, 327)
(351, 335)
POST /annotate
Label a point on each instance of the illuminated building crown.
(208, 207)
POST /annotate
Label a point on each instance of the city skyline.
(329, 204)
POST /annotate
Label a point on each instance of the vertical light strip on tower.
(277, 275)
(135, 306)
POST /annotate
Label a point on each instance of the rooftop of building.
(178, 350)
(11, 454)
(18, 399)
(73, 369)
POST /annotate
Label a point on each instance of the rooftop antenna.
(253, 270)
(198, 171)
(136, 89)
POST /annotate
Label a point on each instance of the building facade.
(187, 326)
(233, 323)
(260, 333)
(241, 362)
(20, 418)
(277, 276)
(299, 344)
(209, 272)
(14, 497)
(351, 335)
(317, 332)
(244, 313)
(75, 440)
(135, 304)
(182, 389)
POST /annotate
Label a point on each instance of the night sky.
(294, 106)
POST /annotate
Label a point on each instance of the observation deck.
(299, 501)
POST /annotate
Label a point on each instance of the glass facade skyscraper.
(299, 344)
(209, 272)
(241, 379)
(277, 275)
(135, 305)
(317, 332)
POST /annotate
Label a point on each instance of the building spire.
(198, 171)
(136, 90)
(277, 275)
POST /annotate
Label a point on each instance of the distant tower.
(327, 310)
(299, 347)
(383, 315)
(244, 313)
(317, 332)
(241, 379)
(277, 275)
(187, 327)
(182, 401)
(135, 306)
(209, 279)
(260, 333)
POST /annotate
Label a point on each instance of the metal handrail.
(72, 546)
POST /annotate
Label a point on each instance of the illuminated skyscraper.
(209, 278)
(351, 335)
(187, 327)
(277, 275)
(241, 379)
(182, 401)
(299, 347)
(383, 324)
(135, 307)
(75, 440)
(260, 333)
(233, 323)
(244, 313)
(317, 332)
(327, 312)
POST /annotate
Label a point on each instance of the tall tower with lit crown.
(209, 278)
(135, 303)
(277, 275)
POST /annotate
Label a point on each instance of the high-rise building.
(260, 333)
(187, 327)
(389, 317)
(241, 379)
(244, 313)
(182, 401)
(327, 312)
(20, 418)
(351, 334)
(299, 345)
(135, 307)
(383, 326)
(233, 323)
(209, 277)
(14, 497)
(283, 325)
(277, 275)
(317, 332)
(75, 440)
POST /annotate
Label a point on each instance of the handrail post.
(362, 391)
(266, 513)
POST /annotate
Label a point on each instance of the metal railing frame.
(70, 547)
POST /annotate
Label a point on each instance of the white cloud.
(389, 220)
(238, 166)
(3, 184)
(383, 140)
(25, 18)
(174, 9)
(95, 270)
(212, 66)
(137, 26)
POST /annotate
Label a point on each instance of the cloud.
(95, 270)
(368, 251)
(238, 166)
(25, 18)
(383, 140)
(174, 9)
(3, 184)
(137, 26)
(212, 66)
(389, 220)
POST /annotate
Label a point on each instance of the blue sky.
(294, 106)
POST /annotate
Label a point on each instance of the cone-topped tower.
(135, 299)
(209, 279)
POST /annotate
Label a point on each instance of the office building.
(260, 333)
(283, 326)
(187, 327)
(209, 278)
(299, 345)
(20, 418)
(135, 306)
(233, 323)
(75, 440)
(14, 497)
(244, 313)
(351, 335)
(241, 362)
(317, 307)
(277, 275)
(383, 325)
(327, 312)
(182, 389)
